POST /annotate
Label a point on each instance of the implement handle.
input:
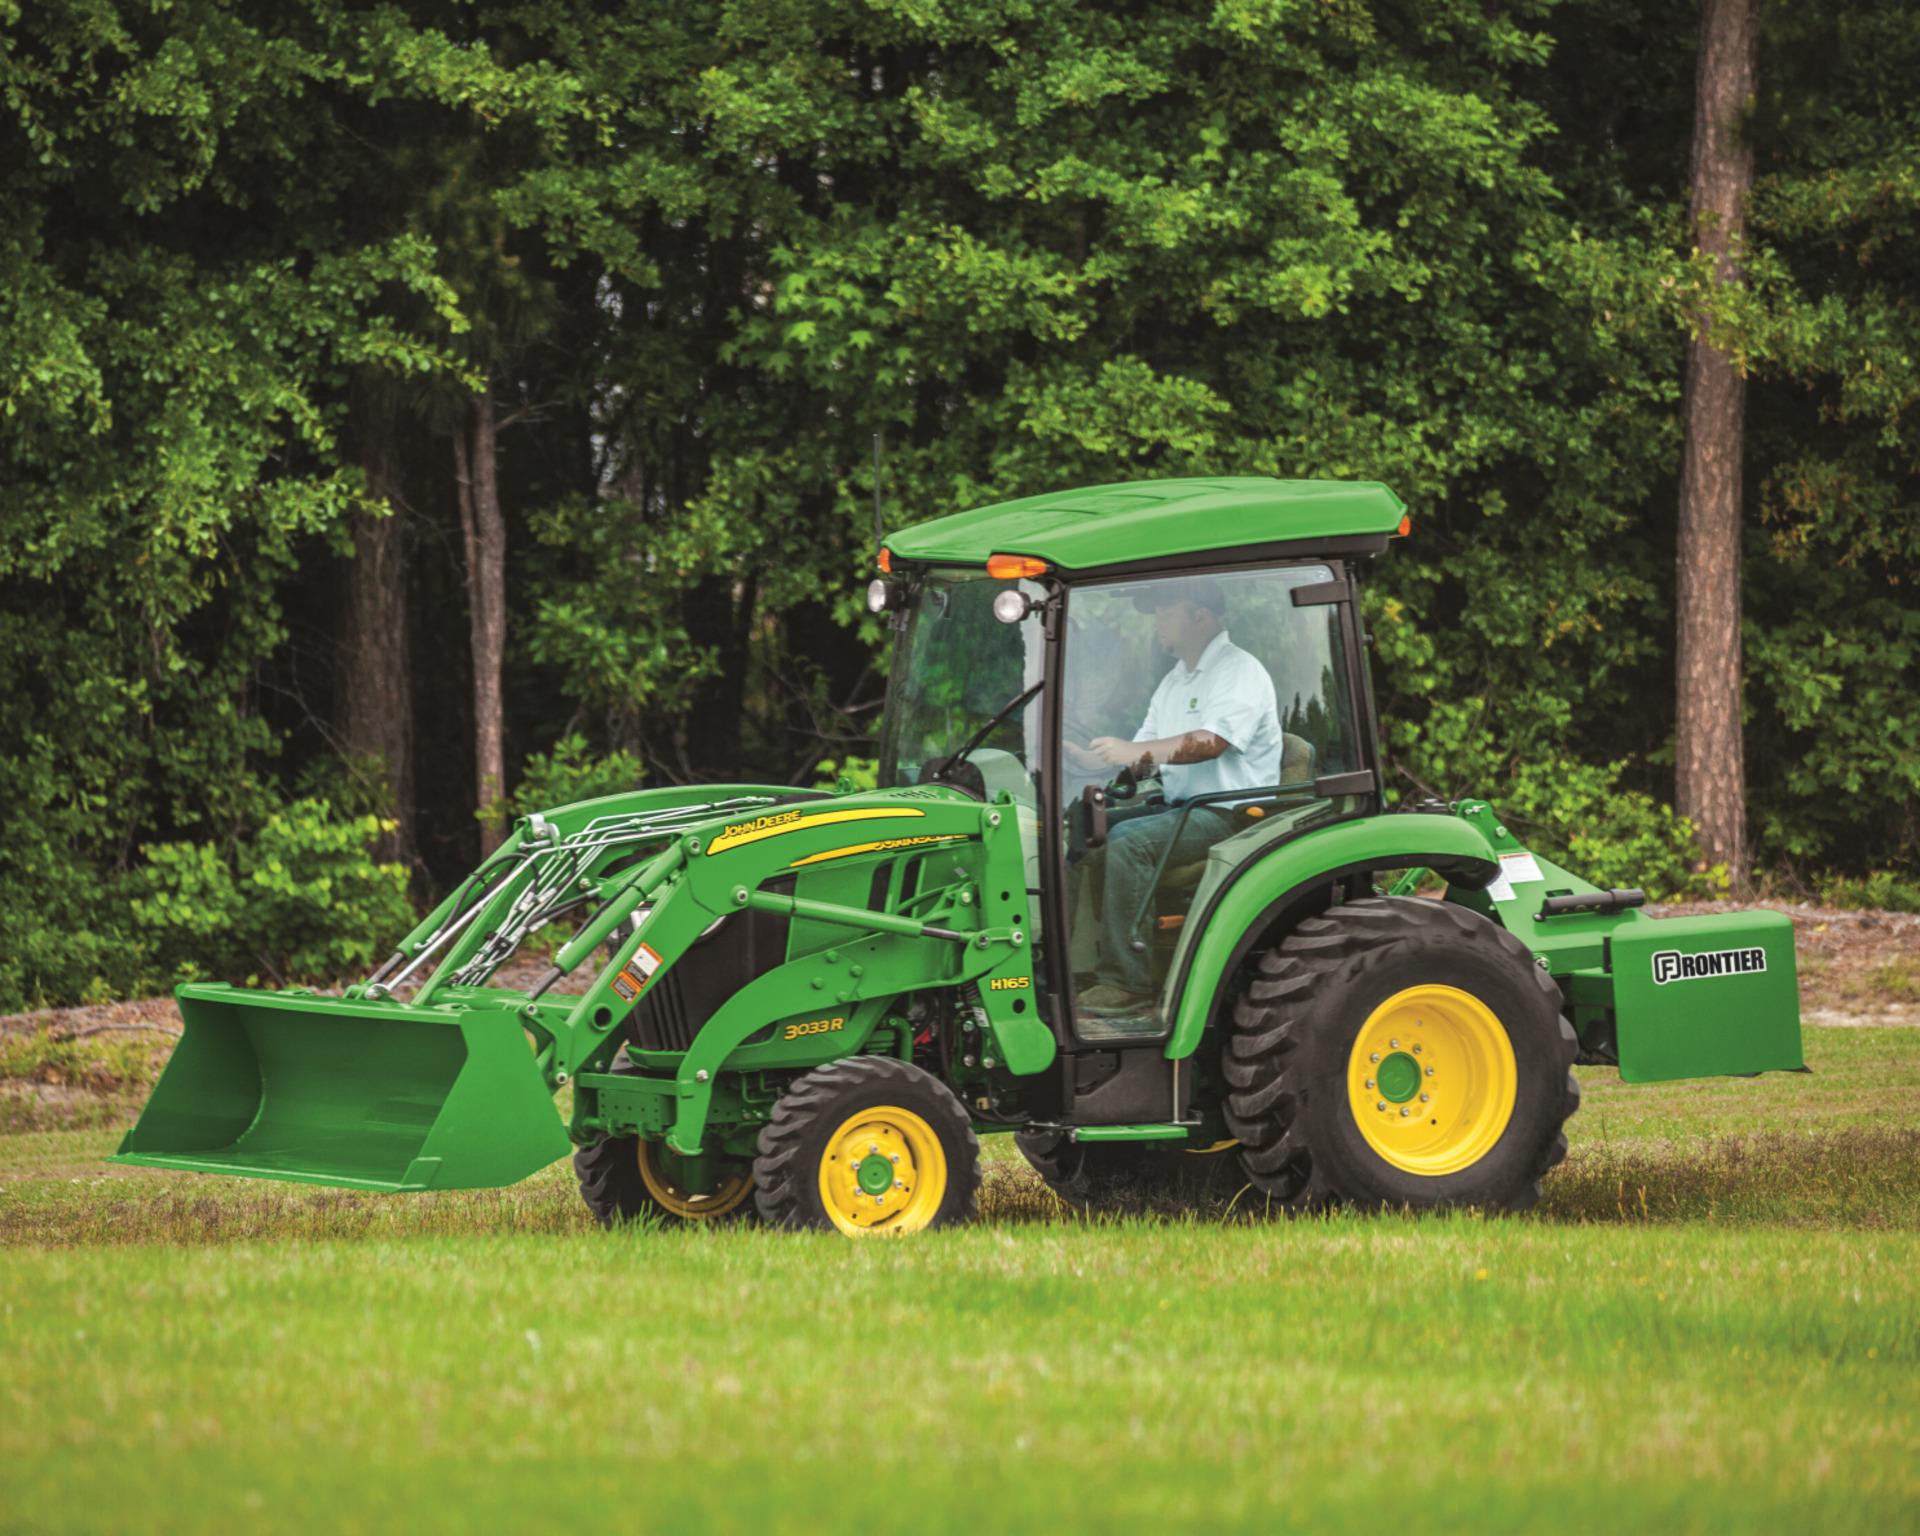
(1592, 901)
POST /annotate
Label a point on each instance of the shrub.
(859, 773)
(303, 900)
(571, 772)
(1580, 815)
(1881, 889)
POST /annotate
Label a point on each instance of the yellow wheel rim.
(676, 1201)
(1432, 1080)
(884, 1170)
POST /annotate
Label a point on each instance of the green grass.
(1713, 1323)
(1898, 979)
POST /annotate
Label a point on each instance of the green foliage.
(856, 773)
(573, 771)
(1879, 888)
(702, 256)
(302, 900)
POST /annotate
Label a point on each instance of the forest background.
(398, 399)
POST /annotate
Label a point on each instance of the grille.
(661, 1021)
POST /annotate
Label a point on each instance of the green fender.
(1234, 912)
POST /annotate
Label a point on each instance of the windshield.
(957, 667)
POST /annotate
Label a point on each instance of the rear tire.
(867, 1145)
(1400, 1052)
(623, 1178)
(1126, 1176)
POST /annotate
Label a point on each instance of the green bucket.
(364, 1095)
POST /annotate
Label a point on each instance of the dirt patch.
(1871, 1018)
(141, 1014)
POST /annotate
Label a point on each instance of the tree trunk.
(484, 532)
(377, 710)
(1709, 774)
(719, 615)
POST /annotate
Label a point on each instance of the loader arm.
(975, 930)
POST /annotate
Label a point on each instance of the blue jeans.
(1134, 850)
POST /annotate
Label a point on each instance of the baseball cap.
(1202, 591)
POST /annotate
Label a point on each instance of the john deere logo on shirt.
(1194, 702)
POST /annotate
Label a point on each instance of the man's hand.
(1081, 757)
(1115, 753)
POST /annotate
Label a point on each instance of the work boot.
(1109, 998)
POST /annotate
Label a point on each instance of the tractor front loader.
(1131, 893)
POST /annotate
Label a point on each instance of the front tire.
(867, 1145)
(1400, 1052)
(623, 1178)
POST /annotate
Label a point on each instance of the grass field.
(1712, 1323)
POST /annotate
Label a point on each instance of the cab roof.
(1151, 520)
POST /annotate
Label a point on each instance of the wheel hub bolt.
(1429, 1071)
(1381, 1107)
(899, 1184)
(1374, 1057)
(896, 1157)
(1393, 1045)
(1369, 1082)
(1423, 1098)
(1416, 1049)
(1405, 1112)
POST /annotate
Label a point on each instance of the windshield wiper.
(1017, 702)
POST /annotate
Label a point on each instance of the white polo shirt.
(1230, 694)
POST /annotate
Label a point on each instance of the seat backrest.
(1296, 759)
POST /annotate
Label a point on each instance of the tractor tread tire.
(608, 1171)
(786, 1172)
(1290, 1003)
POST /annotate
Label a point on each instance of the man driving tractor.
(1212, 726)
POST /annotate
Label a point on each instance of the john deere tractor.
(1130, 890)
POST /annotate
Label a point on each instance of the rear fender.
(1243, 907)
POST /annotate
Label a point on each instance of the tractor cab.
(1159, 720)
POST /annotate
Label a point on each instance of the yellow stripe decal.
(884, 843)
(741, 833)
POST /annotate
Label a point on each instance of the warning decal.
(633, 977)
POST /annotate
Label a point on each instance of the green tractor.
(1130, 890)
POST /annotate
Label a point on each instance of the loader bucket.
(365, 1095)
